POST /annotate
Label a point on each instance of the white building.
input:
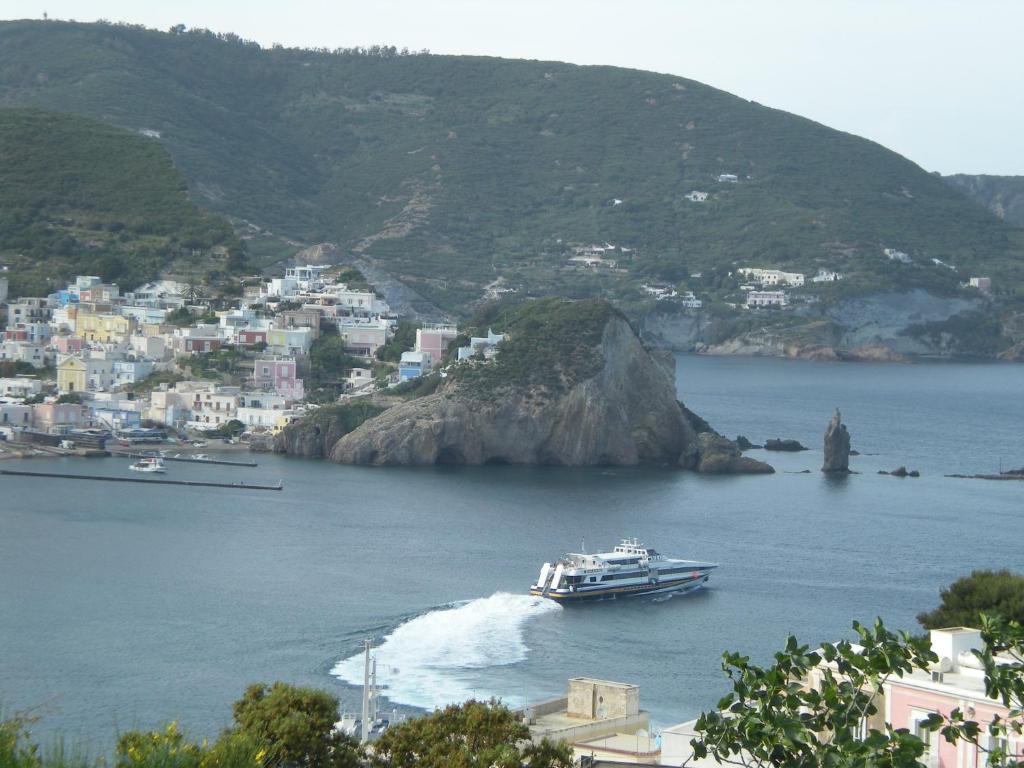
(772, 277)
(728, 178)
(983, 284)
(487, 345)
(826, 276)
(308, 277)
(767, 299)
(20, 386)
(690, 301)
(696, 196)
(23, 352)
(896, 255)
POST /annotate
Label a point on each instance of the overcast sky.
(939, 81)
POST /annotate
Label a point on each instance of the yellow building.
(103, 327)
(71, 374)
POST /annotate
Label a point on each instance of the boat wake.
(435, 658)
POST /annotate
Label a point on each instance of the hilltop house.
(433, 340)
(771, 277)
(413, 365)
(826, 276)
(728, 178)
(696, 196)
(485, 345)
(767, 299)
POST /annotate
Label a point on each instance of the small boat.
(629, 570)
(148, 464)
(200, 457)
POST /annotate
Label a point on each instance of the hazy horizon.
(930, 80)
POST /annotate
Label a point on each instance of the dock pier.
(190, 459)
(113, 479)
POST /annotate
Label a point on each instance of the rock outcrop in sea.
(837, 445)
(616, 406)
(720, 456)
(572, 385)
(777, 444)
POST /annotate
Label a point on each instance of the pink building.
(434, 340)
(958, 680)
(67, 345)
(279, 374)
(59, 417)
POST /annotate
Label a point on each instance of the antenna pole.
(365, 724)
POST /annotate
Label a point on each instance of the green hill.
(452, 171)
(1003, 195)
(78, 196)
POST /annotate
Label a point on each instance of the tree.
(812, 709)
(471, 735)
(404, 338)
(297, 724)
(988, 592)
(772, 718)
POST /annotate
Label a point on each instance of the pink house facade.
(956, 681)
(279, 375)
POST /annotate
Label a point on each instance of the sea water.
(125, 607)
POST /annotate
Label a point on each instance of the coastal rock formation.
(776, 444)
(900, 472)
(720, 456)
(837, 445)
(623, 413)
(744, 444)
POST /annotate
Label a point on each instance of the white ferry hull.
(612, 593)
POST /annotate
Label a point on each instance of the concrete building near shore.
(600, 719)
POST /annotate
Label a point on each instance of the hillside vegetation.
(453, 171)
(1003, 195)
(79, 196)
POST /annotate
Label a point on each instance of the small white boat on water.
(200, 457)
(148, 464)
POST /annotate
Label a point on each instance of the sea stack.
(837, 445)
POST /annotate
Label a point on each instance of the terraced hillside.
(456, 171)
(78, 196)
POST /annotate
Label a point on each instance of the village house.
(413, 365)
(15, 417)
(728, 178)
(897, 255)
(89, 373)
(94, 326)
(24, 352)
(433, 340)
(201, 338)
(826, 276)
(130, 371)
(20, 386)
(299, 318)
(278, 374)
(59, 418)
(306, 278)
(358, 379)
(696, 197)
(983, 284)
(688, 300)
(289, 341)
(767, 299)
(214, 407)
(485, 345)
(363, 336)
(29, 310)
(3, 289)
(771, 277)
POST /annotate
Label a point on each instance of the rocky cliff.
(625, 413)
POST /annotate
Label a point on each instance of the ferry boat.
(148, 464)
(631, 569)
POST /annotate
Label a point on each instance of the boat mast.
(364, 734)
